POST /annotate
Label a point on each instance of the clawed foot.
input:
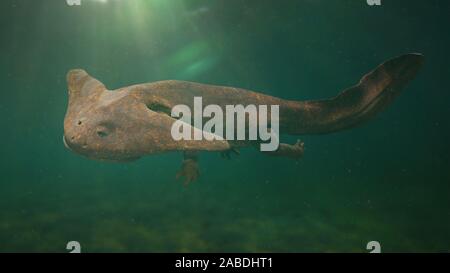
(299, 148)
(300, 144)
(227, 154)
(189, 170)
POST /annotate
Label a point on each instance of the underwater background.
(387, 181)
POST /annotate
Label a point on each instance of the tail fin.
(355, 105)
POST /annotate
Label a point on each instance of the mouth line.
(73, 148)
(66, 143)
(100, 158)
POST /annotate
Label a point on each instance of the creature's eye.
(102, 133)
(104, 129)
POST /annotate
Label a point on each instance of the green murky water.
(386, 181)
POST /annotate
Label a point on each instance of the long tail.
(355, 105)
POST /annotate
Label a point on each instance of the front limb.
(189, 168)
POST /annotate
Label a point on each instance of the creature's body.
(134, 121)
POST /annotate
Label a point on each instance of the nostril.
(80, 122)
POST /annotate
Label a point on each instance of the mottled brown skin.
(131, 122)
